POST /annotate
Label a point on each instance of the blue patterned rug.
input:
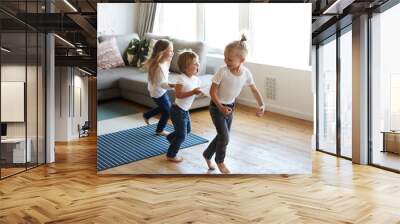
(135, 144)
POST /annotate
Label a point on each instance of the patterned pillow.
(108, 55)
(137, 52)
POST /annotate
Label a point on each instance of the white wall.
(80, 84)
(68, 83)
(116, 18)
(33, 126)
(17, 73)
(294, 95)
(61, 104)
(14, 73)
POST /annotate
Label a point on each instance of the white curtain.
(147, 14)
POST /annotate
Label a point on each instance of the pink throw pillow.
(108, 55)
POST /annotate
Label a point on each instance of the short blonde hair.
(239, 45)
(186, 57)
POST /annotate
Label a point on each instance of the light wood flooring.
(10, 171)
(5, 172)
(387, 159)
(70, 191)
(273, 144)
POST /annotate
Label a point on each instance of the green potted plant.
(137, 52)
(131, 51)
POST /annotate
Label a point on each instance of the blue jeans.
(163, 107)
(220, 142)
(181, 121)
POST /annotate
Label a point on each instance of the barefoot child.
(186, 87)
(158, 69)
(227, 85)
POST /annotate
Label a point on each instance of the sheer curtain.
(147, 14)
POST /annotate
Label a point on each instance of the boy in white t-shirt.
(227, 85)
(186, 87)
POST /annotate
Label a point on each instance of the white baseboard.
(278, 109)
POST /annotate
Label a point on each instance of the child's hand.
(201, 94)
(197, 91)
(225, 110)
(260, 111)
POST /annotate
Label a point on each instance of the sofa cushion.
(135, 83)
(109, 78)
(108, 55)
(152, 38)
(197, 46)
(122, 41)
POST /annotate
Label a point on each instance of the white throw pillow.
(108, 55)
(151, 46)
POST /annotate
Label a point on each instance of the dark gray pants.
(181, 121)
(220, 142)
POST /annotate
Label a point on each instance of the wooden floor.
(386, 159)
(10, 171)
(272, 144)
(70, 191)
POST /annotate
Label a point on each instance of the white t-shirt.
(188, 84)
(160, 86)
(231, 85)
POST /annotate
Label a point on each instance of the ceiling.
(332, 15)
(76, 22)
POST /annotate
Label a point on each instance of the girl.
(158, 69)
(186, 87)
(227, 85)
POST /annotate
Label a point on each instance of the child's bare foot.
(162, 133)
(209, 164)
(223, 168)
(176, 159)
(146, 120)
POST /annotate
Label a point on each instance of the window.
(327, 96)
(395, 102)
(266, 26)
(221, 28)
(334, 99)
(385, 87)
(177, 20)
(346, 94)
(22, 67)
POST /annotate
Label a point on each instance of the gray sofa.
(131, 82)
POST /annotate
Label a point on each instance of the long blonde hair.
(239, 45)
(151, 64)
